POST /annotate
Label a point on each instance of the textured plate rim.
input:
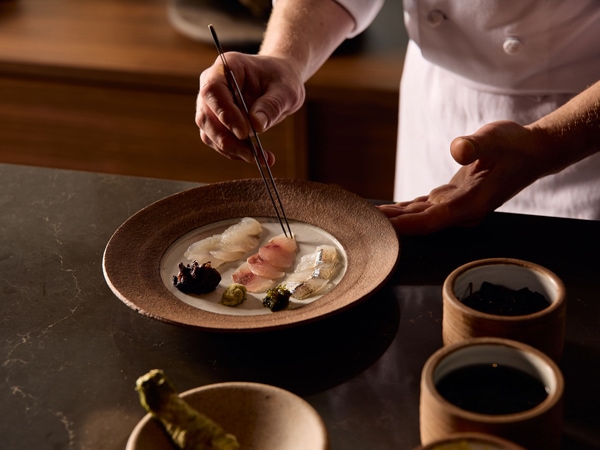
(131, 260)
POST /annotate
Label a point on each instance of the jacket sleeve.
(363, 12)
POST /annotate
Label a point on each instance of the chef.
(499, 104)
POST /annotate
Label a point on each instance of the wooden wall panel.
(110, 86)
(120, 129)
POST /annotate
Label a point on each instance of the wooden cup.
(539, 427)
(544, 330)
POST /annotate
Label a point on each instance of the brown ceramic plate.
(141, 257)
(260, 416)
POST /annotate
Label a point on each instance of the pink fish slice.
(280, 251)
(254, 283)
(263, 269)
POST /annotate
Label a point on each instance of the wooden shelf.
(110, 86)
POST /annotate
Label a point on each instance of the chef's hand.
(499, 160)
(272, 90)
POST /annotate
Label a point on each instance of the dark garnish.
(196, 279)
(277, 298)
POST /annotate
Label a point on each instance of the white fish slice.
(201, 251)
(243, 236)
(307, 288)
(226, 256)
(231, 245)
(314, 272)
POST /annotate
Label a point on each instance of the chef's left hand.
(499, 160)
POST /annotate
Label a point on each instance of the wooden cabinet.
(110, 86)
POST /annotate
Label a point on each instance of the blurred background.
(110, 86)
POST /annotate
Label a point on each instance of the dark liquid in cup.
(502, 301)
(492, 389)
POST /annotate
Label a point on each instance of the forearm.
(572, 132)
(306, 32)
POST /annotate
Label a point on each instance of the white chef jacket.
(472, 62)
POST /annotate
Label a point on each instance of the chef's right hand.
(272, 90)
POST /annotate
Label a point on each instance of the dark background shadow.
(304, 359)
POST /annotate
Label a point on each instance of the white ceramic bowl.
(262, 417)
(544, 330)
(538, 427)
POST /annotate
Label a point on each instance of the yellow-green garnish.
(234, 295)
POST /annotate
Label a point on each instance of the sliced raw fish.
(247, 226)
(227, 256)
(254, 283)
(324, 254)
(314, 273)
(203, 247)
(280, 251)
(201, 251)
(305, 284)
(263, 269)
(298, 277)
(307, 288)
(243, 236)
(231, 245)
(240, 243)
(326, 271)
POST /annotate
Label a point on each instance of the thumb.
(464, 150)
(260, 121)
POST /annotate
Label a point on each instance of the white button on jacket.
(512, 45)
(435, 17)
(534, 46)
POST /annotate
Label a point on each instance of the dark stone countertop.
(70, 351)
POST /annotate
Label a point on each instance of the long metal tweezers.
(254, 143)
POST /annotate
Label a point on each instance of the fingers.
(260, 121)
(427, 219)
(417, 218)
(417, 205)
(278, 101)
(268, 93)
(467, 149)
(484, 142)
(221, 123)
(216, 101)
(230, 153)
(464, 150)
(497, 164)
(444, 207)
